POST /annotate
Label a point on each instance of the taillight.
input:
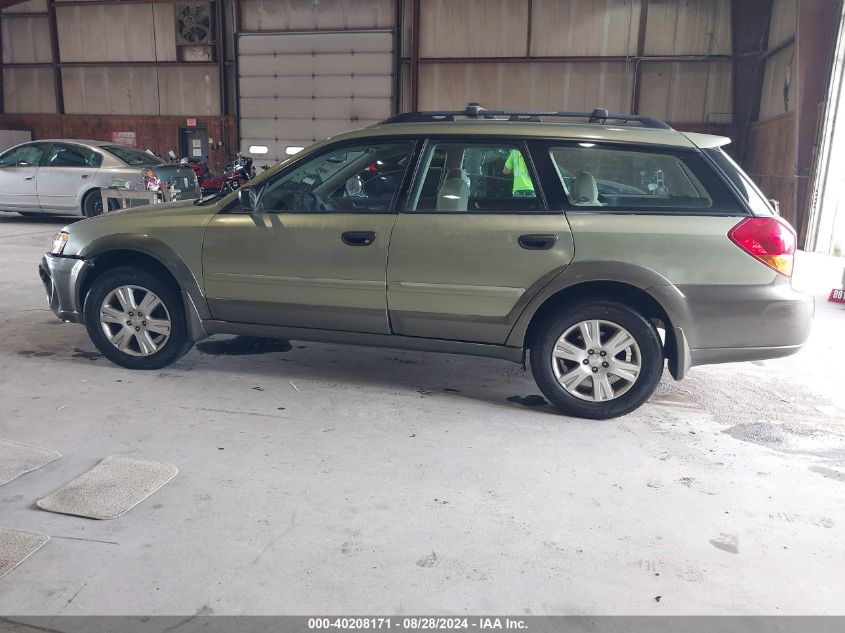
(770, 240)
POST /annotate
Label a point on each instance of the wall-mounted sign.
(192, 122)
(125, 138)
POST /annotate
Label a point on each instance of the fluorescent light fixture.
(587, 145)
(290, 150)
(258, 149)
(451, 196)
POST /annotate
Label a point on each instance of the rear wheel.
(92, 204)
(598, 359)
(136, 320)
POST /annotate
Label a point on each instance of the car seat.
(586, 190)
(454, 194)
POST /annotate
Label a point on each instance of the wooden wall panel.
(26, 40)
(540, 86)
(159, 134)
(780, 85)
(189, 90)
(119, 32)
(771, 161)
(584, 27)
(31, 6)
(687, 91)
(308, 15)
(784, 21)
(110, 90)
(688, 27)
(473, 28)
(164, 27)
(29, 90)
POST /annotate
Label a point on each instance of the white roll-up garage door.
(298, 88)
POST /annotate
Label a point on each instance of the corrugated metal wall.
(460, 42)
(88, 34)
(26, 40)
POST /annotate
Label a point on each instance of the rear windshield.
(746, 187)
(132, 156)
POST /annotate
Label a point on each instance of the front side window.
(353, 179)
(61, 155)
(475, 177)
(24, 156)
(634, 179)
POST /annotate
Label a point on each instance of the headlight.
(59, 243)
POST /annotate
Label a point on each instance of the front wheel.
(136, 320)
(597, 359)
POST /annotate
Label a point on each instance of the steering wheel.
(313, 202)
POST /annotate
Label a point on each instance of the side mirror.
(775, 205)
(246, 198)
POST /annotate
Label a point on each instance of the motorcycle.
(209, 183)
(237, 173)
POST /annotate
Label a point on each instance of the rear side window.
(746, 187)
(475, 177)
(639, 179)
(132, 156)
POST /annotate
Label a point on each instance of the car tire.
(136, 320)
(591, 389)
(92, 204)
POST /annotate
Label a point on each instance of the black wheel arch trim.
(669, 298)
(157, 250)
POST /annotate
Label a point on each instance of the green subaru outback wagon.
(600, 245)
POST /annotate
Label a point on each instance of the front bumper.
(62, 277)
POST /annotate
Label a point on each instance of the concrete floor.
(395, 482)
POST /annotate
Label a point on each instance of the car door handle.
(29, 177)
(358, 238)
(537, 242)
(84, 175)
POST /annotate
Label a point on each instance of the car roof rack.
(475, 111)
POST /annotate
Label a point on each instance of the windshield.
(132, 156)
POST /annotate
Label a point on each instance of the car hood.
(168, 222)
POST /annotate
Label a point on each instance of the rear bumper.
(61, 277)
(727, 324)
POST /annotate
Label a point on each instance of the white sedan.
(63, 177)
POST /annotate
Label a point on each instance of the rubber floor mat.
(17, 459)
(110, 489)
(16, 547)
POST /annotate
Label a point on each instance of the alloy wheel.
(135, 320)
(596, 360)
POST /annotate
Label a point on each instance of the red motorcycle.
(238, 173)
(209, 183)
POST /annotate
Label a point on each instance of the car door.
(66, 173)
(474, 244)
(18, 177)
(313, 252)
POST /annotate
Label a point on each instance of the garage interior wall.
(105, 67)
(309, 70)
(284, 73)
(668, 58)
